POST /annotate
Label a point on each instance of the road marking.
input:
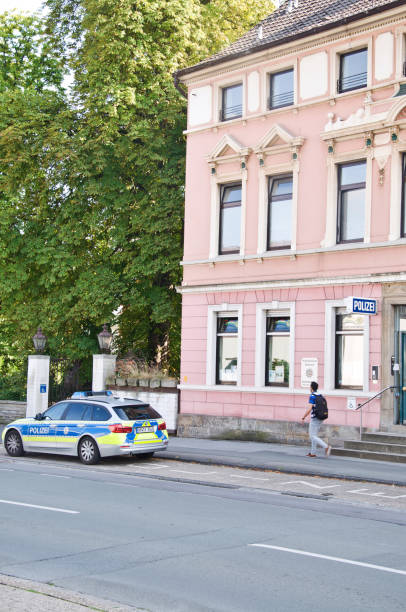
(14, 503)
(150, 467)
(193, 473)
(381, 568)
(309, 484)
(248, 477)
(364, 492)
(55, 475)
(6, 470)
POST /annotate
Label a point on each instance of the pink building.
(295, 230)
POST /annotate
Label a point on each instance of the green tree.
(91, 183)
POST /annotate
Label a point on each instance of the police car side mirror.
(39, 416)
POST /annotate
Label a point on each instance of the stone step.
(378, 447)
(386, 438)
(358, 454)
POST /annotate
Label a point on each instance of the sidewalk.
(282, 458)
(19, 595)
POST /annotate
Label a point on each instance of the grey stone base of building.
(258, 430)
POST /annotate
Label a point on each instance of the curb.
(51, 595)
(282, 469)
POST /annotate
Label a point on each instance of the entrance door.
(403, 378)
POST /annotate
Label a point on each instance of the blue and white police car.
(90, 428)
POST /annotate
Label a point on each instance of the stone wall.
(10, 411)
(281, 432)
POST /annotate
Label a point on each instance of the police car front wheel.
(88, 451)
(14, 444)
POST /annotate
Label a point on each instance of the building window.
(230, 219)
(351, 202)
(227, 350)
(403, 220)
(231, 102)
(281, 89)
(353, 70)
(280, 212)
(277, 350)
(349, 350)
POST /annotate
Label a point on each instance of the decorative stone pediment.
(277, 140)
(228, 149)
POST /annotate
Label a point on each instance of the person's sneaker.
(310, 455)
(328, 451)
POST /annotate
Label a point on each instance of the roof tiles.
(296, 18)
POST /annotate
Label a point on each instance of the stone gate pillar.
(37, 384)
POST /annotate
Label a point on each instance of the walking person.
(319, 412)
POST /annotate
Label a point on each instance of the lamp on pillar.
(105, 339)
(39, 340)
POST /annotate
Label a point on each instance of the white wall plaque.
(351, 403)
(309, 370)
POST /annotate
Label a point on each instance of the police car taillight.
(162, 426)
(120, 428)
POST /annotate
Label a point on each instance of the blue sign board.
(363, 306)
(42, 388)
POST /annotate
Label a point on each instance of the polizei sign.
(358, 305)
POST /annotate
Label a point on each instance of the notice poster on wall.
(309, 370)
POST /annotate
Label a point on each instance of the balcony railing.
(283, 99)
(230, 112)
(354, 81)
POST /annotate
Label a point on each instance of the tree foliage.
(91, 182)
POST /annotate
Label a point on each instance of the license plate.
(145, 429)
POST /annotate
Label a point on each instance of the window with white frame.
(351, 202)
(227, 350)
(230, 218)
(280, 198)
(281, 89)
(277, 350)
(231, 102)
(349, 350)
(353, 70)
(275, 345)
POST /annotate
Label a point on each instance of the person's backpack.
(320, 408)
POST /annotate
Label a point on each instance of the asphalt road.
(167, 545)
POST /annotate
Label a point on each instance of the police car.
(89, 427)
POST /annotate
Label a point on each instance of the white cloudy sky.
(21, 5)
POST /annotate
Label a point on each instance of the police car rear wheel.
(88, 451)
(14, 444)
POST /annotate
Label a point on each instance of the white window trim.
(396, 191)
(400, 46)
(212, 315)
(335, 56)
(262, 310)
(329, 349)
(264, 174)
(266, 84)
(216, 182)
(333, 162)
(218, 97)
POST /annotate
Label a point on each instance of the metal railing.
(360, 406)
(230, 112)
(353, 81)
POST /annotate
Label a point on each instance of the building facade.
(295, 223)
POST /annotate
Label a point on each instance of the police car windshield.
(133, 413)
